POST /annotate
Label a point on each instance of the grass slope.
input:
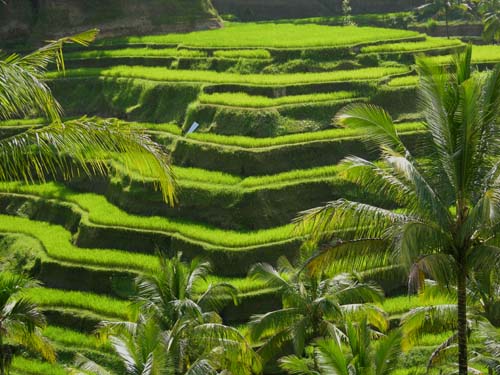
(237, 35)
(162, 74)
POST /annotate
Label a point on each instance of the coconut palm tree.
(365, 356)
(178, 329)
(21, 322)
(490, 11)
(178, 289)
(312, 308)
(449, 217)
(65, 149)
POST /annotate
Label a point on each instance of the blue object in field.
(193, 128)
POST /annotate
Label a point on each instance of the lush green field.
(100, 211)
(403, 81)
(135, 52)
(480, 54)
(239, 35)
(101, 305)
(429, 44)
(163, 74)
(243, 53)
(241, 99)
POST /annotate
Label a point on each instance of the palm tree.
(21, 322)
(311, 308)
(449, 215)
(64, 150)
(178, 329)
(362, 358)
(174, 291)
(490, 10)
(444, 7)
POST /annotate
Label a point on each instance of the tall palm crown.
(64, 150)
(364, 356)
(450, 200)
(20, 321)
(311, 308)
(178, 329)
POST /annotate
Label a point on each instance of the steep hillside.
(253, 10)
(34, 20)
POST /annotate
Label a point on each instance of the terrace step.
(226, 261)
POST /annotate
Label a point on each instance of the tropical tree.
(178, 329)
(449, 200)
(21, 322)
(490, 11)
(178, 289)
(66, 149)
(444, 8)
(312, 308)
(365, 356)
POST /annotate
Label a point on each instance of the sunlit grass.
(274, 35)
(429, 44)
(69, 338)
(403, 81)
(241, 99)
(26, 366)
(99, 304)
(100, 211)
(399, 305)
(243, 53)
(172, 75)
(135, 52)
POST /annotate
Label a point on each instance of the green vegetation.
(23, 366)
(243, 54)
(241, 99)
(439, 197)
(102, 305)
(428, 44)
(480, 54)
(274, 35)
(403, 81)
(100, 211)
(264, 95)
(136, 52)
(162, 74)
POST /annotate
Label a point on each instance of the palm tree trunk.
(446, 21)
(462, 313)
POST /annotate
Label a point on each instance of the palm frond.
(427, 319)
(269, 276)
(273, 321)
(22, 90)
(87, 365)
(349, 254)
(375, 122)
(217, 296)
(82, 146)
(346, 219)
(295, 365)
(330, 358)
(378, 180)
(387, 353)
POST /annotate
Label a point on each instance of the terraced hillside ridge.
(264, 96)
(253, 10)
(38, 20)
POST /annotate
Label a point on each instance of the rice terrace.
(245, 187)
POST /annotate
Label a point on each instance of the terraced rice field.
(265, 149)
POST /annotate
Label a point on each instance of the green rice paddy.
(241, 99)
(170, 75)
(258, 35)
